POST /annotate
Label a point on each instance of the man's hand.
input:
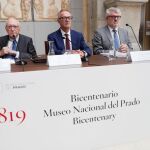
(123, 48)
(81, 53)
(7, 50)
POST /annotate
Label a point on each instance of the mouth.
(67, 23)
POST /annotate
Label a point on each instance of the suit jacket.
(77, 41)
(24, 46)
(102, 39)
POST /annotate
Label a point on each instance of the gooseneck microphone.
(19, 61)
(135, 36)
(64, 38)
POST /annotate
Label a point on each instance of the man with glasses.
(67, 40)
(15, 45)
(111, 36)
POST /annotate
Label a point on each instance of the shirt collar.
(112, 29)
(17, 38)
(62, 32)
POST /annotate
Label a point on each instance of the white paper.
(64, 60)
(140, 55)
(5, 64)
(117, 54)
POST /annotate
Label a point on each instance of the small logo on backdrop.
(12, 117)
(15, 86)
(18, 86)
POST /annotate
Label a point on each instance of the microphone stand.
(135, 36)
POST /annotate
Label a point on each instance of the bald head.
(12, 27)
(12, 20)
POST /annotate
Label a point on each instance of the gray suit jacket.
(24, 46)
(102, 39)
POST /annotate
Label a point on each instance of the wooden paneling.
(147, 30)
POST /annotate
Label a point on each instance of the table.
(95, 60)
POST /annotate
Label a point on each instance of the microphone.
(68, 39)
(65, 39)
(19, 61)
(134, 36)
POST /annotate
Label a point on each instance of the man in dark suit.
(15, 45)
(68, 40)
(111, 36)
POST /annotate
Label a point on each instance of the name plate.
(140, 56)
(69, 60)
(5, 65)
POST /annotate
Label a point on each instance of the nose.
(115, 19)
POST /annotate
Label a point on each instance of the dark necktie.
(67, 42)
(116, 40)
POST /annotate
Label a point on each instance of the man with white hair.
(16, 45)
(111, 36)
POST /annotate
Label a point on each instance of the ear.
(106, 17)
(58, 20)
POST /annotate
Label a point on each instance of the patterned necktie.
(67, 42)
(116, 40)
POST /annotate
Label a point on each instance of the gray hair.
(62, 10)
(111, 10)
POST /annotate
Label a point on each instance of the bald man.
(23, 44)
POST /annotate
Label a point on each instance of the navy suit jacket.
(24, 45)
(77, 41)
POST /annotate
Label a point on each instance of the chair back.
(46, 47)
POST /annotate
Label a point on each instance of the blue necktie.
(14, 45)
(116, 40)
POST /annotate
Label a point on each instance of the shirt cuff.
(85, 53)
(17, 55)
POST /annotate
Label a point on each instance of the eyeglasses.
(114, 17)
(12, 26)
(66, 18)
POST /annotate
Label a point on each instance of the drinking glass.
(51, 48)
(112, 55)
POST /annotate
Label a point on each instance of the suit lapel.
(108, 34)
(121, 36)
(73, 39)
(19, 42)
(60, 39)
(5, 41)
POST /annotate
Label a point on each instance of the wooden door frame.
(86, 24)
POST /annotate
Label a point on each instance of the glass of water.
(112, 55)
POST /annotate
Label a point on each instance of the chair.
(46, 47)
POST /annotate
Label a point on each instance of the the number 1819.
(9, 116)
